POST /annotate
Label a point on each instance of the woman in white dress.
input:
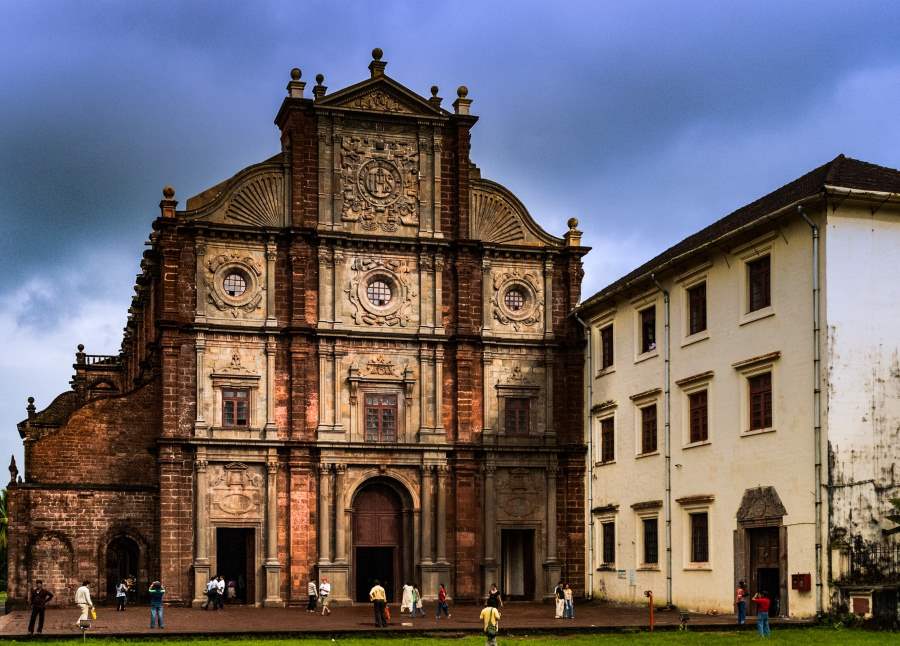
(406, 601)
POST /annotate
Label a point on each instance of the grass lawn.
(817, 636)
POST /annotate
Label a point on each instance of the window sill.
(646, 455)
(758, 431)
(604, 463)
(606, 568)
(699, 567)
(648, 568)
(694, 445)
(695, 338)
(608, 370)
(652, 354)
(756, 315)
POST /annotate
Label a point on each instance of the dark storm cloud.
(645, 120)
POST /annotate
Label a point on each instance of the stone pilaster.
(324, 524)
(201, 427)
(201, 510)
(552, 568)
(271, 431)
(441, 514)
(272, 566)
(427, 514)
(490, 523)
(271, 257)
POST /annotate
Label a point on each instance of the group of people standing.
(215, 593)
(763, 604)
(565, 601)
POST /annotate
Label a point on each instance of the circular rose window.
(379, 292)
(234, 284)
(514, 299)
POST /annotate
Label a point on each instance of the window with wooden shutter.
(697, 308)
(607, 440)
(759, 284)
(609, 543)
(606, 347)
(516, 415)
(235, 407)
(699, 416)
(700, 537)
(381, 417)
(648, 428)
(651, 541)
(760, 387)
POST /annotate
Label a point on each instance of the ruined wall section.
(862, 369)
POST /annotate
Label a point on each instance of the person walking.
(378, 599)
(417, 602)
(568, 602)
(740, 602)
(442, 605)
(490, 617)
(212, 589)
(560, 594)
(762, 601)
(406, 600)
(494, 599)
(325, 594)
(156, 593)
(83, 601)
(220, 593)
(39, 598)
(121, 595)
(313, 596)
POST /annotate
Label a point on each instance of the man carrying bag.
(491, 618)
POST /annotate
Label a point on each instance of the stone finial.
(13, 469)
(461, 105)
(168, 203)
(79, 354)
(319, 89)
(435, 100)
(376, 67)
(295, 86)
(573, 235)
(30, 409)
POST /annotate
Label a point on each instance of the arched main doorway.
(378, 539)
(122, 555)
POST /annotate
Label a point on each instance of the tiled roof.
(841, 171)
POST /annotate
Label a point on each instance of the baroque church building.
(352, 360)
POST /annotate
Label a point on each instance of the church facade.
(353, 360)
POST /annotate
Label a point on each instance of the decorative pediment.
(254, 197)
(498, 217)
(760, 504)
(381, 94)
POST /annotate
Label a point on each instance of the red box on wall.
(801, 582)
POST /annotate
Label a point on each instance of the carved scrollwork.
(519, 492)
(235, 490)
(377, 101)
(379, 182)
(394, 274)
(529, 310)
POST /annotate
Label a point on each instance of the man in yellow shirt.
(377, 597)
(491, 618)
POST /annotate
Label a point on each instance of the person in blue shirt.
(156, 593)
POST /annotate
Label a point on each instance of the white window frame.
(687, 338)
(640, 304)
(640, 517)
(754, 250)
(747, 369)
(689, 387)
(597, 325)
(642, 401)
(609, 413)
(602, 519)
(687, 510)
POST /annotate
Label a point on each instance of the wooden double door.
(378, 540)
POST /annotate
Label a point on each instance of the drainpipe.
(817, 402)
(667, 428)
(589, 387)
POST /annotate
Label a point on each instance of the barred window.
(700, 537)
(760, 387)
(514, 299)
(648, 329)
(235, 407)
(648, 428)
(607, 440)
(379, 292)
(381, 418)
(651, 541)
(234, 284)
(609, 543)
(697, 308)
(699, 416)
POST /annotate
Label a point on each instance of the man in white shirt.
(324, 592)
(212, 591)
(220, 593)
(83, 599)
(313, 596)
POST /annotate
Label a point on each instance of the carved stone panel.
(234, 283)
(236, 491)
(517, 300)
(382, 291)
(379, 181)
(520, 494)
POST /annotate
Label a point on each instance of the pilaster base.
(432, 436)
(552, 576)
(490, 570)
(273, 586)
(432, 575)
(201, 578)
(338, 575)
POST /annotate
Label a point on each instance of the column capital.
(443, 470)
(340, 469)
(200, 464)
(272, 466)
(324, 468)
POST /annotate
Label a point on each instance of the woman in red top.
(762, 601)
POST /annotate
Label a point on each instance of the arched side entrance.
(122, 562)
(380, 541)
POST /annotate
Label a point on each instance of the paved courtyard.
(348, 619)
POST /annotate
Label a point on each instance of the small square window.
(648, 329)
(696, 308)
(651, 541)
(699, 537)
(699, 416)
(759, 284)
(607, 439)
(606, 347)
(760, 394)
(648, 428)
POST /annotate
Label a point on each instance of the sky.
(644, 120)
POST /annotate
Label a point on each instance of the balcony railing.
(100, 359)
(873, 564)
